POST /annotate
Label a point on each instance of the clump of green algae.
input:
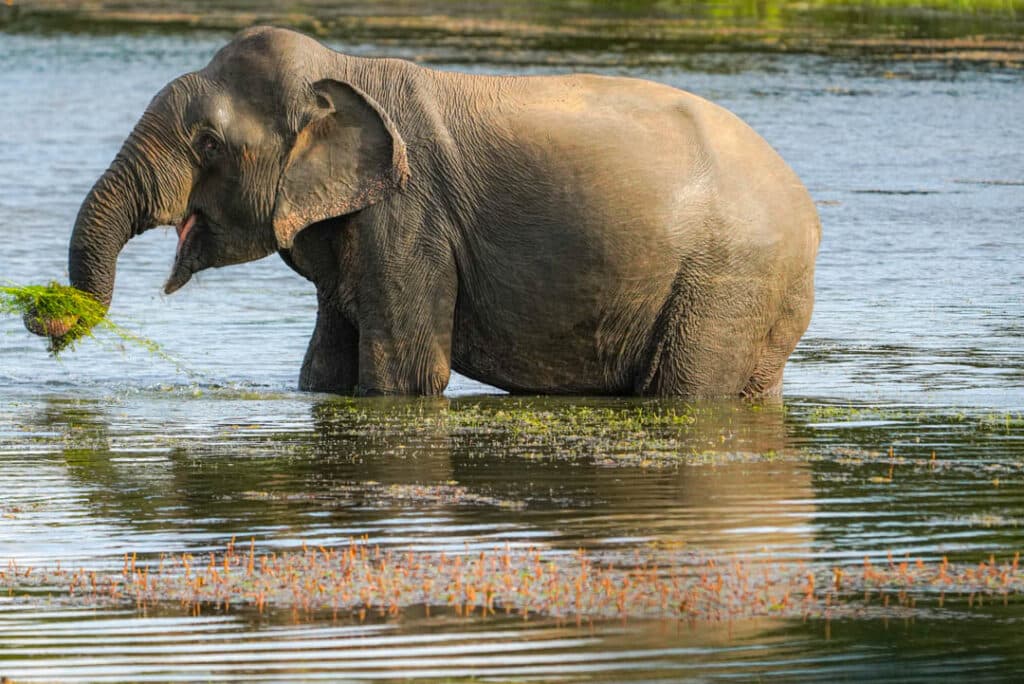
(56, 302)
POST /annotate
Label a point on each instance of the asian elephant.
(548, 234)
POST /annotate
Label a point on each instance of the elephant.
(562, 234)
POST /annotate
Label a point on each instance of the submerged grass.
(66, 305)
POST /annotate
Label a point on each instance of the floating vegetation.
(360, 579)
(838, 414)
(615, 432)
(376, 494)
(66, 315)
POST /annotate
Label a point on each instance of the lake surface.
(901, 436)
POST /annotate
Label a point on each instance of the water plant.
(66, 314)
(362, 578)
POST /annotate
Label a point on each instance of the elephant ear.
(347, 157)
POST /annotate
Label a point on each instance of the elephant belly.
(496, 358)
(564, 304)
(555, 343)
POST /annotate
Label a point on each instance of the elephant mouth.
(184, 228)
(185, 262)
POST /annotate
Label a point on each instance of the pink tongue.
(183, 228)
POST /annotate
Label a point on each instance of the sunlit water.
(919, 175)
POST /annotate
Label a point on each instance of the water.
(916, 344)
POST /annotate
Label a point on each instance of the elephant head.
(268, 138)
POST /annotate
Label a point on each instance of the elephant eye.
(207, 146)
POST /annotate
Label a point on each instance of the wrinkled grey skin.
(567, 234)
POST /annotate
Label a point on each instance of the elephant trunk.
(133, 195)
(112, 213)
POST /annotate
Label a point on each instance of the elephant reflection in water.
(359, 463)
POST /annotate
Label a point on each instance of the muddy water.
(916, 345)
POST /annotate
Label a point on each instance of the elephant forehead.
(220, 111)
(236, 119)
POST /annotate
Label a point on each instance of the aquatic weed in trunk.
(55, 306)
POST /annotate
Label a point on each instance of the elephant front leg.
(405, 323)
(332, 358)
(391, 367)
